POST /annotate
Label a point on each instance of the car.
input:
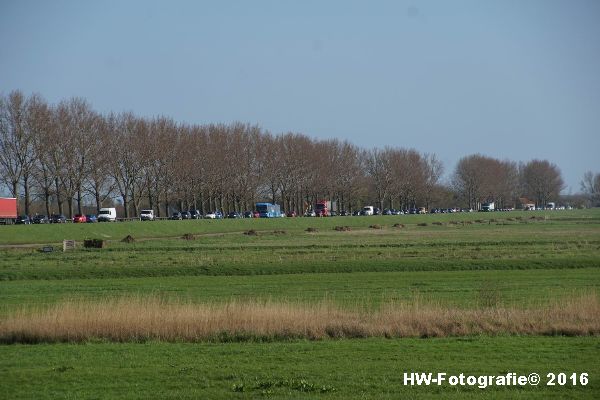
(368, 210)
(79, 218)
(40, 219)
(387, 212)
(234, 214)
(310, 213)
(176, 216)
(147, 215)
(23, 220)
(344, 213)
(186, 215)
(248, 214)
(357, 213)
(210, 215)
(291, 214)
(256, 214)
(58, 219)
(196, 214)
(91, 218)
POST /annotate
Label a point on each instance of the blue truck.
(268, 210)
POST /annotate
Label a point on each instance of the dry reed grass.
(142, 319)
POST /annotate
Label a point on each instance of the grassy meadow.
(300, 307)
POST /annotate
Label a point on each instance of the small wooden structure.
(68, 245)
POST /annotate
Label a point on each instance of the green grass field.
(462, 260)
(369, 368)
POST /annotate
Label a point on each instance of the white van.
(107, 215)
(147, 215)
(367, 210)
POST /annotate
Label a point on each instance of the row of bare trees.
(478, 179)
(66, 156)
(590, 186)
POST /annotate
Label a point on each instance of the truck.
(368, 210)
(488, 206)
(268, 210)
(107, 214)
(325, 208)
(147, 215)
(8, 210)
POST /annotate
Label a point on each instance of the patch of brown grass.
(188, 236)
(342, 228)
(251, 232)
(141, 319)
(398, 225)
(375, 226)
(309, 229)
(128, 239)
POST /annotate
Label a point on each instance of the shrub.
(94, 243)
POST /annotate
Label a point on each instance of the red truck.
(324, 208)
(8, 209)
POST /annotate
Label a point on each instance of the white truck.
(147, 215)
(107, 214)
(368, 210)
(488, 206)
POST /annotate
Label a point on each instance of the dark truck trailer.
(8, 210)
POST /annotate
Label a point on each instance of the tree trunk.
(79, 201)
(47, 201)
(70, 206)
(98, 201)
(26, 193)
(59, 201)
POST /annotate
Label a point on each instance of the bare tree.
(479, 178)
(41, 125)
(97, 179)
(590, 186)
(378, 165)
(542, 181)
(17, 157)
(433, 170)
(76, 126)
(126, 165)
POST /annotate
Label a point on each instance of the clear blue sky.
(510, 79)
